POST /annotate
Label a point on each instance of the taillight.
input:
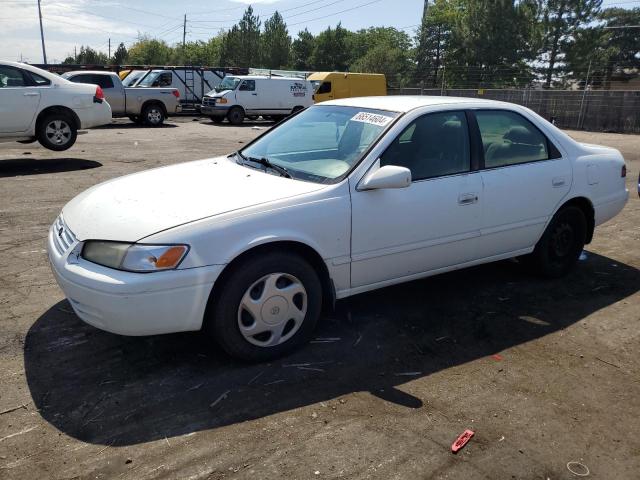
(623, 174)
(176, 93)
(99, 93)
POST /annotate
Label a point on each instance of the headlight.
(134, 257)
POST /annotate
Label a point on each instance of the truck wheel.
(135, 119)
(57, 132)
(236, 116)
(153, 115)
(216, 120)
(267, 306)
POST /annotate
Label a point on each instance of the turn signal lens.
(171, 257)
(176, 93)
(222, 100)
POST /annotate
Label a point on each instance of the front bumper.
(216, 111)
(129, 303)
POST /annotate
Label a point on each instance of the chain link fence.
(593, 110)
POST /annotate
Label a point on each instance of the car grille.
(208, 101)
(63, 238)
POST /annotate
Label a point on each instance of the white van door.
(247, 96)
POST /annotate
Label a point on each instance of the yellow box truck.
(333, 85)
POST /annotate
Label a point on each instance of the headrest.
(521, 135)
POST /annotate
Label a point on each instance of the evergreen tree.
(330, 52)
(276, 43)
(302, 50)
(432, 40)
(249, 39)
(120, 55)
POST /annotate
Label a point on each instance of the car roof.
(92, 72)
(266, 77)
(39, 71)
(406, 103)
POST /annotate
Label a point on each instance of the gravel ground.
(545, 372)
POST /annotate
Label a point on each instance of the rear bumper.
(607, 210)
(95, 115)
(128, 303)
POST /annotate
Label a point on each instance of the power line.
(335, 13)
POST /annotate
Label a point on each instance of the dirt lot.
(545, 372)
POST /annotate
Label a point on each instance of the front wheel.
(235, 116)
(268, 306)
(57, 132)
(561, 244)
(153, 115)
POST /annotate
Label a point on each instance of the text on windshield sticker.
(372, 118)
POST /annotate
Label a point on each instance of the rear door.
(19, 99)
(525, 178)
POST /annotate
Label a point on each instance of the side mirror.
(389, 176)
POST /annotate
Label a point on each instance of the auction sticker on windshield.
(372, 118)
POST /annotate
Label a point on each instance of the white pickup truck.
(142, 105)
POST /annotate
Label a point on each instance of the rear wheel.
(561, 244)
(57, 132)
(235, 115)
(153, 115)
(268, 306)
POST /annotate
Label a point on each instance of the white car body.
(366, 239)
(266, 96)
(21, 107)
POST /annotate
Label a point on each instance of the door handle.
(254, 94)
(31, 94)
(467, 198)
(558, 182)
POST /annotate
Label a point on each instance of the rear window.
(104, 81)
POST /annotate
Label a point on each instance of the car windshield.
(315, 84)
(228, 83)
(321, 144)
(132, 78)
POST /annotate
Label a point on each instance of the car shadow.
(132, 125)
(113, 390)
(14, 167)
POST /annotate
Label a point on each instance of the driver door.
(431, 225)
(247, 96)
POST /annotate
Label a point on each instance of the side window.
(84, 78)
(248, 86)
(325, 87)
(434, 145)
(163, 80)
(38, 80)
(11, 77)
(509, 139)
(104, 81)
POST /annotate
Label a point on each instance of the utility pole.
(75, 54)
(109, 49)
(584, 94)
(44, 53)
(184, 31)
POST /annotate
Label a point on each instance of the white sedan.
(347, 196)
(42, 106)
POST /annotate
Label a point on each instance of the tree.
(198, 52)
(249, 42)
(120, 55)
(381, 50)
(87, 56)
(560, 21)
(276, 43)
(148, 51)
(302, 49)
(331, 52)
(230, 48)
(432, 40)
(491, 43)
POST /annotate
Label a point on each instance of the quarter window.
(38, 80)
(434, 145)
(510, 139)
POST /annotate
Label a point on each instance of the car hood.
(135, 206)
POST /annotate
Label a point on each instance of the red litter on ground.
(462, 440)
(497, 357)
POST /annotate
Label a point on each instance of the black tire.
(558, 250)
(135, 119)
(235, 115)
(153, 115)
(216, 120)
(57, 132)
(224, 315)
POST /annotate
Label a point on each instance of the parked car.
(346, 197)
(38, 105)
(149, 106)
(335, 85)
(240, 96)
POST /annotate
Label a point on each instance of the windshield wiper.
(267, 164)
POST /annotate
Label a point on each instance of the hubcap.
(562, 240)
(58, 132)
(272, 310)
(154, 115)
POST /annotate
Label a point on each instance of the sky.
(71, 23)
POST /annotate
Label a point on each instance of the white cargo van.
(240, 96)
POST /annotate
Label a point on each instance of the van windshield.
(131, 79)
(228, 83)
(321, 144)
